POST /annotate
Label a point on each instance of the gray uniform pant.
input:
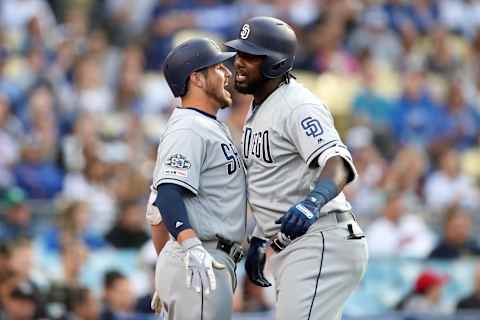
(182, 303)
(316, 273)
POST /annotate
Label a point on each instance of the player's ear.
(198, 80)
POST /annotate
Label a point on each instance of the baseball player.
(198, 190)
(297, 167)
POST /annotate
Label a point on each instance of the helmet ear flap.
(273, 68)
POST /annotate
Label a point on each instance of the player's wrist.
(324, 191)
(188, 239)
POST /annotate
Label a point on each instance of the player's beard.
(220, 95)
(249, 86)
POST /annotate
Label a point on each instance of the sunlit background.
(83, 103)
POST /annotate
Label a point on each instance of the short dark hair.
(110, 277)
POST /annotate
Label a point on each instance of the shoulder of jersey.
(190, 120)
(295, 94)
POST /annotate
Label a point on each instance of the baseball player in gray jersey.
(198, 191)
(297, 167)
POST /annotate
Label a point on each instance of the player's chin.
(242, 87)
(226, 100)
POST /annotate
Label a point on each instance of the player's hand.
(156, 303)
(298, 219)
(199, 266)
(255, 262)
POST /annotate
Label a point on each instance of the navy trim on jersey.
(320, 148)
(178, 182)
(318, 277)
(200, 111)
(201, 304)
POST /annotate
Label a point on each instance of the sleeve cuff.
(338, 150)
(179, 182)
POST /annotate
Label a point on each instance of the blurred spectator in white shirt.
(399, 233)
(448, 185)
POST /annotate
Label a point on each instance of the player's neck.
(266, 89)
(204, 105)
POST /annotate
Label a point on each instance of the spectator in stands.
(129, 96)
(84, 305)
(167, 18)
(72, 224)
(17, 221)
(7, 86)
(472, 301)
(41, 120)
(372, 30)
(91, 186)
(10, 133)
(324, 48)
(119, 298)
(65, 282)
(398, 232)
(369, 106)
(129, 230)
(106, 56)
(40, 178)
(406, 174)
(415, 120)
(448, 186)
(459, 127)
(365, 193)
(442, 60)
(457, 236)
(18, 300)
(426, 296)
(23, 269)
(74, 255)
(92, 91)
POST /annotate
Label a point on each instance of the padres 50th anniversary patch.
(178, 164)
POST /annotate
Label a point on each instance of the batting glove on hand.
(298, 219)
(255, 262)
(156, 303)
(199, 266)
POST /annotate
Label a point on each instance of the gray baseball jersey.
(287, 141)
(197, 152)
(281, 140)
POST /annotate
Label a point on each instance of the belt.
(280, 241)
(232, 249)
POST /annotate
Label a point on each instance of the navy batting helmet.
(192, 55)
(269, 37)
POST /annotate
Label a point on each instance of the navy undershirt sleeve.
(172, 207)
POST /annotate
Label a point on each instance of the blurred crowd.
(83, 103)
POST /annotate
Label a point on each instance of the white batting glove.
(156, 303)
(199, 266)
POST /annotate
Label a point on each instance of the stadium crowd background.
(83, 102)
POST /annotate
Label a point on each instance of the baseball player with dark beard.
(297, 167)
(198, 191)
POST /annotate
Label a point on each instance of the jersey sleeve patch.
(178, 161)
(177, 165)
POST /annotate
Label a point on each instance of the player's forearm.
(174, 212)
(336, 173)
(337, 170)
(159, 236)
